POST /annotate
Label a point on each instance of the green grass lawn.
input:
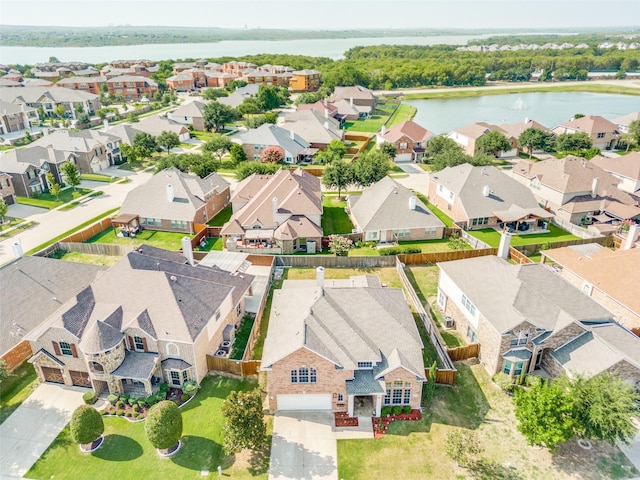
(492, 237)
(78, 257)
(16, 388)
(444, 218)
(9, 222)
(403, 113)
(17, 230)
(46, 200)
(222, 217)
(166, 240)
(242, 337)
(212, 243)
(334, 218)
(425, 246)
(368, 125)
(126, 452)
(97, 177)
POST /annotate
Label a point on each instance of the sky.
(325, 14)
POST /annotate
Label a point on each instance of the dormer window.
(365, 365)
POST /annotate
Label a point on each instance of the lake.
(548, 108)
(332, 48)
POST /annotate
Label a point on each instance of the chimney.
(105, 124)
(17, 250)
(187, 250)
(326, 103)
(320, 276)
(505, 243)
(326, 125)
(412, 202)
(170, 196)
(486, 190)
(351, 101)
(274, 207)
(632, 237)
(526, 120)
(326, 113)
(292, 135)
(594, 187)
(383, 130)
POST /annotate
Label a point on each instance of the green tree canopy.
(494, 143)
(389, 149)
(168, 140)
(246, 169)
(237, 153)
(4, 208)
(218, 146)
(71, 173)
(86, 425)
(535, 139)
(370, 168)
(214, 93)
(163, 425)
(201, 165)
(573, 142)
(216, 115)
(244, 422)
(145, 144)
(440, 144)
(271, 97)
(337, 147)
(339, 174)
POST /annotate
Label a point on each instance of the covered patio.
(126, 225)
(523, 221)
(139, 374)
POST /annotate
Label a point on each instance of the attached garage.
(315, 401)
(80, 379)
(52, 375)
(403, 157)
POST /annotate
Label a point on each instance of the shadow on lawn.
(199, 453)
(486, 470)
(118, 448)
(603, 460)
(259, 461)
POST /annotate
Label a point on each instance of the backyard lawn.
(126, 452)
(492, 237)
(403, 113)
(476, 405)
(78, 257)
(444, 218)
(222, 217)
(166, 240)
(368, 125)
(425, 246)
(16, 388)
(334, 218)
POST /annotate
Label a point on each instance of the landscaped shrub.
(385, 411)
(189, 387)
(164, 425)
(406, 409)
(142, 403)
(90, 397)
(105, 412)
(398, 250)
(184, 397)
(164, 387)
(86, 424)
(128, 414)
(132, 401)
(119, 412)
(138, 416)
(503, 381)
(112, 399)
(397, 410)
(136, 408)
(119, 404)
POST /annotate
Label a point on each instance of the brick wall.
(17, 355)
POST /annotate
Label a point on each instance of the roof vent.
(173, 278)
(486, 190)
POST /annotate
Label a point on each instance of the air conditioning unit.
(449, 322)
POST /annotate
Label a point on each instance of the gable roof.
(626, 166)
(313, 126)
(125, 133)
(411, 129)
(468, 182)
(514, 130)
(507, 295)
(272, 135)
(82, 141)
(355, 92)
(29, 94)
(345, 326)
(478, 129)
(385, 206)
(156, 124)
(19, 160)
(191, 109)
(627, 119)
(590, 124)
(190, 192)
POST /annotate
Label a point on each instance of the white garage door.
(305, 402)
(403, 157)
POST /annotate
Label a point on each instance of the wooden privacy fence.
(91, 231)
(255, 330)
(241, 368)
(518, 257)
(422, 258)
(444, 377)
(607, 241)
(96, 248)
(327, 261)
(464, 352)
(202, 232)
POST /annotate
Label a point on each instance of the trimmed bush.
(398, 250)
(136, 408)
(184, 397)
(385, 411)
(164, 387)
(142, 403)
(164, 425)
(112, 399)
(503, 381)
(86, 424)
(90, 397)
(119, 412)
(406, 409)
(132, 401)
(189, 387)
(119, 404)
(397, 410)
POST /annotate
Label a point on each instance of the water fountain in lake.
(519, 105)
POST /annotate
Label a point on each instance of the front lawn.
(16, 388)
(126, 452)
(334, 219)
(166, 240)
(476, 405)
(222, 217)
(555, 234)
(46, 200)
(98, 177)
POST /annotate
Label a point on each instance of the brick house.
(50, 98)
(305, 80)
(626, 168)
(175, 201)
(191, 113)
(7, 192)
(328, 347)
(150, 318)
(356, 95)
(527, 317)
(318, 129)
(132, 87)
(256, 140)
(603, 132)
(282, 212)
(180, 82)
(409, 138)
(14, 118)
(388, 212)
(85, 84)
(468, 136)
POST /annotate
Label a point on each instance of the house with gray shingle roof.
(294, 148)
(191, 113)
(176, 201)
(150, 318)
(388, 212)
(49, 98)
(528, 317)
(328, 347)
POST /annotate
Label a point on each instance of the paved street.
(52, 223)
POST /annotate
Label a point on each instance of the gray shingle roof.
(101, 336)
(364, 383)
(137, 365)
(75, 319)
(174, 364)
(269, 134)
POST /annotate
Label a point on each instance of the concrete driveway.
(303, 447)
(27, 433)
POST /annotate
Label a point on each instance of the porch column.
(350, 405)
(378, 405)
(147, 387)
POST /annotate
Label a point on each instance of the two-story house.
(294, 148)
(7, 192)
(603, 132)
(626, 168)
(409, 138)
(132, 87)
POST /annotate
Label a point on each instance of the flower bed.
(135, 409)
(342, 419)
(381, 424)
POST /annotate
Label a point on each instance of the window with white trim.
(138, 343)
(430, 231)
(340, 398)
(468, 305)
(304, 375)
(397, 393)
(65, 349)
(520, 339)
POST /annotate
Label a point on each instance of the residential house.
(409, 138)
(265, 77)
(86, 84)
(126, 133)
(468, 136)
(132, 87)
(179, 67)
(150, 318)
(388, 212)
(329, 347)
(7, 192)
(575, 190)
(175, 201)
(216, 79)
(624, 121)
(156, 124)
(53, 71)
(14, 117)
(50, 98)
(33, 288)
(626, 168)
(236, 68)
(317, 129)
(293, 147)
(27, 177)
(142, 68)
(485, 197)
(323, 107)
(605, 275)
(191, 113)
(180, 82)
(527, 317)
(305, 80)
(282, 212)
(357, 95)
(238, 96)
(514, 130)
(603, 132)
(348, 110)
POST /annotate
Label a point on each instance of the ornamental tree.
(339, 245)
(534, 139)
(71, 173)
(244, 426)
(86, 425)
(370, 168)
(168, 140)
(237, 153)
(218, 146)
(389, 149)
(571, 142)
(338, 174)
(494, 143)
(163, 426)
(463, 447)
(247, 169)
(272, 154)
(216, 115)
(4, 208)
